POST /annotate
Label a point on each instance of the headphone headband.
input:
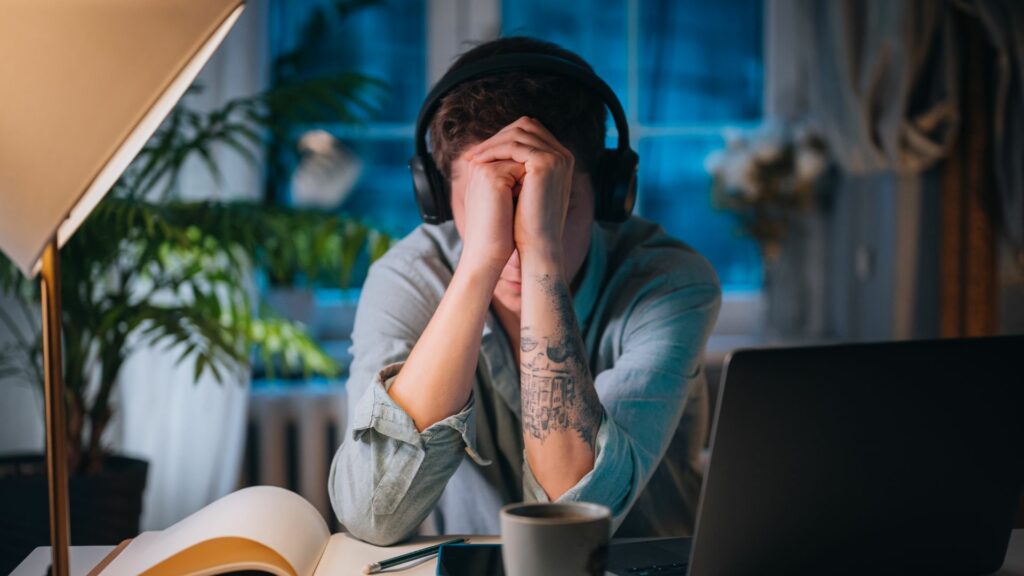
(519, 62)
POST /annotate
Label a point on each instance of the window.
(386, 41)
(684, 69)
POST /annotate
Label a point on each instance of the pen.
(414, 555)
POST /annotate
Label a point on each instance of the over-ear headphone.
(614, 176)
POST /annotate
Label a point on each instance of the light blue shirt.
(645, 306)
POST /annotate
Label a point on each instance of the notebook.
(262, 528)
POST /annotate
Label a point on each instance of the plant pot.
(105, 508)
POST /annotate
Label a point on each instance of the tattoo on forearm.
(527, 343)
(556, 386)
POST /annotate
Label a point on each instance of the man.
(525, 351)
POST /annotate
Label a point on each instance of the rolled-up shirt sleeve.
(377, 412)
(644, 395)
(387, 475)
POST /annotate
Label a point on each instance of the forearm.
(561, 410)
(437, 378)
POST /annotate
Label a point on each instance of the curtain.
(1004, 22)
(192, 433)
(879, 80)
(877, 77)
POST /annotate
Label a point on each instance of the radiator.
(292, 434)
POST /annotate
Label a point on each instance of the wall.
(882, 274)
(21, 399)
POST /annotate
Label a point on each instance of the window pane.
(700, 61)
(383, 195)
(594, 29)
(386, 41)
(697, 62)
(675, 191)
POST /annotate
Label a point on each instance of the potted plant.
(771, 180)
(146, 269)
(765, 178)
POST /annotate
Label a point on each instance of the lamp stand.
(53, 368)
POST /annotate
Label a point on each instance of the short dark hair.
(475, 110)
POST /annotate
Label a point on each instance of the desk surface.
(83, 558)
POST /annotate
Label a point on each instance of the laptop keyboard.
(675, 569)
(655, 557)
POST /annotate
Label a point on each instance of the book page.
(278, 523)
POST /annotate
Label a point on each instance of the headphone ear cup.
(614, 185)
(431, 190)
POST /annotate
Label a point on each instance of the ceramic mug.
(563, 539)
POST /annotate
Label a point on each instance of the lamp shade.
(83, 85)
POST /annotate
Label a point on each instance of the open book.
(262, 528)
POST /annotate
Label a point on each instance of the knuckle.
(546, 160)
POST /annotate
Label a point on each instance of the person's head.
(477, 109)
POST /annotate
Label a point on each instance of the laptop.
(872, 458)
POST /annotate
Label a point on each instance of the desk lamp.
(83, 85)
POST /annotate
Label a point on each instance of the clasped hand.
(519, 185)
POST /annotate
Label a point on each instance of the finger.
(513, 135)
(520, 123)
(518, 132)
(536, 127)
(510, 173)
(524, 127)
(519, 152)
(497, 136)
(503, 167)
